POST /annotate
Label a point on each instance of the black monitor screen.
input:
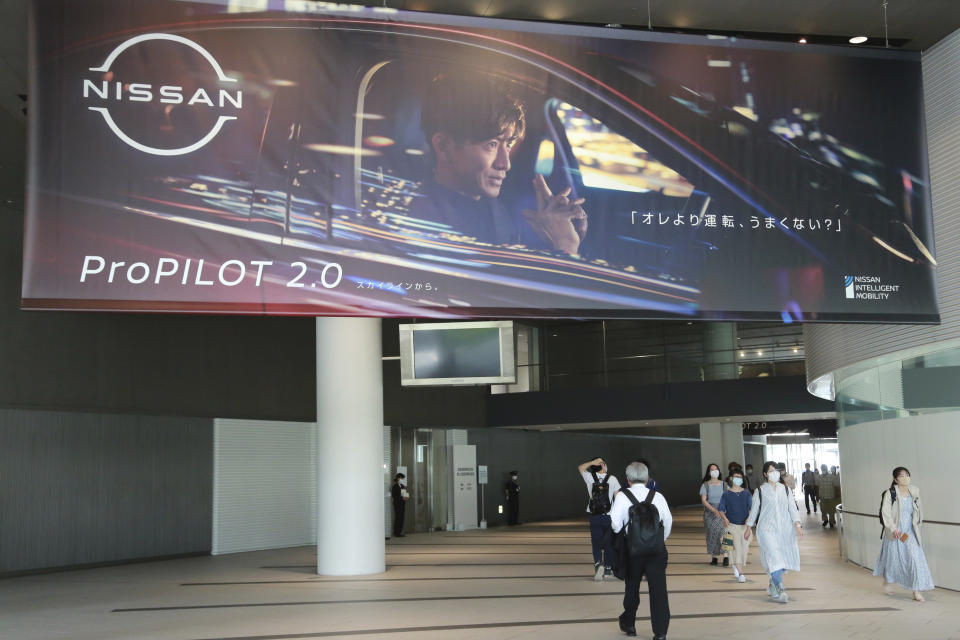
(457, 353)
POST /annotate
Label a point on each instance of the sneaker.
(598, 573)
(713, 562)
(770, 588)
(607, 572)
(726, 562)
(741, 578)
(782, 597)
(736, 572)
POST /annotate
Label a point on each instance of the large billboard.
(328, 159)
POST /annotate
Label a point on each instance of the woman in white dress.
(777, 519)
(901, 559)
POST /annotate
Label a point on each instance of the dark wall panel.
(551, 488)
(656, 401)
(87, 488)
(211, 366)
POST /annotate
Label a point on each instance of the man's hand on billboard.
(559, 221)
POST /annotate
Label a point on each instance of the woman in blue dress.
(901, 559)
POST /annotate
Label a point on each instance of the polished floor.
(530, 581)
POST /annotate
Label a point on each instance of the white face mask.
(904, 481)
(513, 477)
(773, 475)
(737, 482)
(714, 474)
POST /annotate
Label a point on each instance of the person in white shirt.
(653, 566)
(598, 506)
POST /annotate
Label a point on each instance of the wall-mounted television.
(457, 353)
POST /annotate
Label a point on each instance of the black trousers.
(810, 493)
(399, 508)
(655, 569)
(513, 509)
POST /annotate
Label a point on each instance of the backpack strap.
(605, 478)
(595, 478)
(650, 494)
(632, 498)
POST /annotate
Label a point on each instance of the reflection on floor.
(520, 582)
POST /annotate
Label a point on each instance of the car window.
(608, 160)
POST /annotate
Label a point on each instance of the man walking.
(653, 564)
(828, 489)
(809, 479)
(601, 487)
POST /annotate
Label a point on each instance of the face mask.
(513, 477)
(714, 474)
(737, 482)
(773, 475)
(904, 481)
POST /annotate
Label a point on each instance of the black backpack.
(644, 527)
(600, 495)
(880, 512)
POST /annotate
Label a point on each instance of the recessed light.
(741, 354)
(759, 353)
(858, 39)
(802, 41)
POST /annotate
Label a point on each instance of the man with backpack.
(601, 487)
(645, 518)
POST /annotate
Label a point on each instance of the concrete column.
(720, 351)
(720, 443)
(350, 514)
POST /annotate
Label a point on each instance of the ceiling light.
(759, 353)
(858, 39)
(741, 354)
(802, 41)
(795, 350)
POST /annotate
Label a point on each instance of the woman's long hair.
(706, 474)
(893, 485)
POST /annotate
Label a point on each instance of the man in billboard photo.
(471, 123)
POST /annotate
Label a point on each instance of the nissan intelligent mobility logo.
(848, 286)
(109, 91)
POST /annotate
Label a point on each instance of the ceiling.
(921, 23)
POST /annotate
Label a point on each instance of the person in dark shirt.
(471, 123)
(513, 498)
(399, 495)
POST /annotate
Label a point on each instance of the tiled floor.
(530, 581)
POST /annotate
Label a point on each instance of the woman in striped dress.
(901, 559)
(711, 490)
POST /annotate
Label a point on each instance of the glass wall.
(797, 453)
(910, 385)
(553, 355)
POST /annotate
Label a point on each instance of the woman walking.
(711, 490)
(901, 559)
(777, 519)
(734, 508)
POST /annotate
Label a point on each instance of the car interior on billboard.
(335, 160)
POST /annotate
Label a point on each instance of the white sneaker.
(770, 589)
(598, 574)
(741, 578)
(736, 572)
(778, 594)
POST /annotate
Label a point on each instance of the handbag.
(727, 542)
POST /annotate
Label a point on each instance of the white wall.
(927, 445)
(264, 485)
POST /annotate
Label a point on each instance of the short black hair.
(399, 476)
(471, 107)
(514, 473)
